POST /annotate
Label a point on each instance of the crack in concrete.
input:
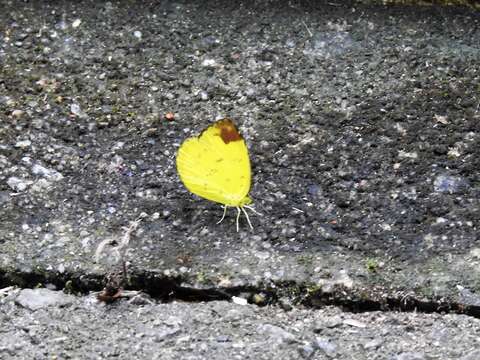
(167, 289)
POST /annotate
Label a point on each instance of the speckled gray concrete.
(362, 124)
(86, 329)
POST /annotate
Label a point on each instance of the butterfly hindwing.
(216, 165)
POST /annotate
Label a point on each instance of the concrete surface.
(83, 328)
(363, 127)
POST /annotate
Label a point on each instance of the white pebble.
(18, 113)
(18, 184)
(76, 23)
(239, 301)
(209, 62)
(23, 144)
(407, 155)
(51, 174)
(354, 323)
(203, 95)
(75, 109)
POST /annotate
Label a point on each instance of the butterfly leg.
(238, 218)
(251, 208)
(224, 213)
(246, 215)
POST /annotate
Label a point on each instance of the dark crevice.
(166, 289)
(80, 284)
(358, 305)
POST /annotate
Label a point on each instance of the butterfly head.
(228, 131)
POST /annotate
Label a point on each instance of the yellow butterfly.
(216, 166)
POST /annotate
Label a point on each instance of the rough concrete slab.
(362, 123)
(87, 329)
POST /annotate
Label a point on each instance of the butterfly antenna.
(251, 208)
(246, 215)
(238, 218)
(224, 213)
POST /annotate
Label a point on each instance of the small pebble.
(285, 304)
(23, 144)
(449, 184)
(75, 109)
(17, 113)
(51, 174)
(209, 62)
(475, 253)
(203, 95)
(35, 299)
(306, 351)
(76, 23)
(276, 333)
(354, 323)
(223, 338)
(170, 116)
(259, 299)
(373, 344)
(239, 300)
(407, 155)
(18, 184)
(326, 345)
